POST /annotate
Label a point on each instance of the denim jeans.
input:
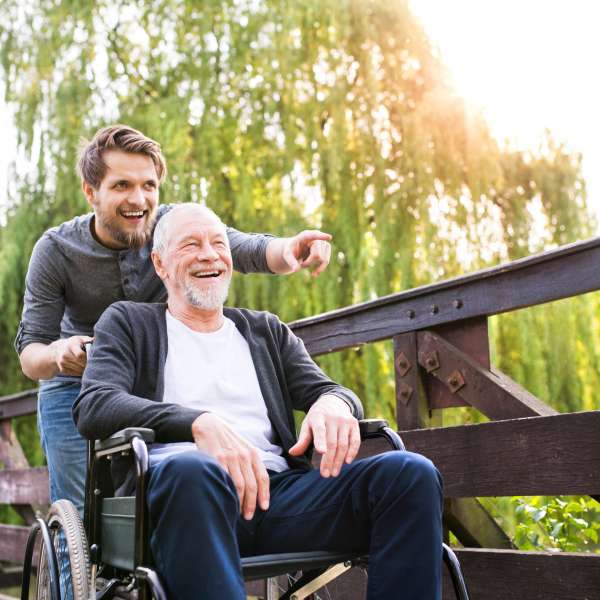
(389, 505)
(66, 455)
(65, 449)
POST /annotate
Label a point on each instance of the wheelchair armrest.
(125, 436)
(374, 428)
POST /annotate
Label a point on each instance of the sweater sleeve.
(44, 301)
(305, 380)
(249, 251)
(107, 402)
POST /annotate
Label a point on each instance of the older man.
(218, 386)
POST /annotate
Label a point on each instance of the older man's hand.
(334, 431)
(239, 458)
(310, 248)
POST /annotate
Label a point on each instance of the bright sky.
(529, 64)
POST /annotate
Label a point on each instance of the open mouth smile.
(212, 274)
(133, 215)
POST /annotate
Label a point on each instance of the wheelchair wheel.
(70, 545)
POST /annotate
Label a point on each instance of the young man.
(82, 266)
(218, 387)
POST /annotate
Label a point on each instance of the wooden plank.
(408, 384)
(10, 577)
(470, 336)
(567, 271)
(18, 405)
(493, 393)
(13, 539)
(24, 486)
(511, 575)
(552, 455)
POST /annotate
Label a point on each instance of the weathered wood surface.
(534, 456)
(491, 392)
(13, 539)
(511, 575)
(10, 577)
(18, 405)
(567, 271)
(24, 486)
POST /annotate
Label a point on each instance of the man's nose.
(137, 196)
(206, 252)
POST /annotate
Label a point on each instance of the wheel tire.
(70, 544)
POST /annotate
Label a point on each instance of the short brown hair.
(92, 168)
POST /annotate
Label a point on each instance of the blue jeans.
(66, 455)
(388, 505)
(65, 449)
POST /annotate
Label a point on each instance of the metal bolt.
(402, 364)
(434, 309)
(432, 362)
(405, 393)
(410, 314)
(458, 304)
(455, 381)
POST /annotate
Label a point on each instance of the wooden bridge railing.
(442, 360)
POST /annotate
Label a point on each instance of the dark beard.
(135, 240)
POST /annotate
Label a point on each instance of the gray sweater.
(123, 383)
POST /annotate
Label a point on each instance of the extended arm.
(258, 253)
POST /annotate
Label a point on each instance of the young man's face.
(126, 201)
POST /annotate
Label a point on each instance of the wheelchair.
(110, 557)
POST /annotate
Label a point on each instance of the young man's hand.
(69, 354)
(309, 248)
(334, 431)
(239, 458)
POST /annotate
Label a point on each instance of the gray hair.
(161, 231)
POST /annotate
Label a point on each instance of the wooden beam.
(13, 539)
(18, 405)
(473, 526)
(493, 393)
(408, 382)
(24, 486)
(511, 575)
(566, 271)
(552, 455)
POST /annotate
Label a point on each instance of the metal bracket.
(318, 582)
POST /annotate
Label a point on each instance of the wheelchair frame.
(318, 568)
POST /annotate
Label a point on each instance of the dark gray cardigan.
(123, 383)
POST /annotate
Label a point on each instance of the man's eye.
(121, 185)
(150, 185)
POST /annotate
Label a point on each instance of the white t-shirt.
(214, 372)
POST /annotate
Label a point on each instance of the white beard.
(210, 299)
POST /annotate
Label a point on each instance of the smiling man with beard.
(81, 267)
(228, 476)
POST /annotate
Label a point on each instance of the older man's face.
(197, 260)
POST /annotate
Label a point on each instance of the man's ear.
(88, 191)
(158, 265)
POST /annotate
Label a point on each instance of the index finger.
(314, 234)
(262, 481)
